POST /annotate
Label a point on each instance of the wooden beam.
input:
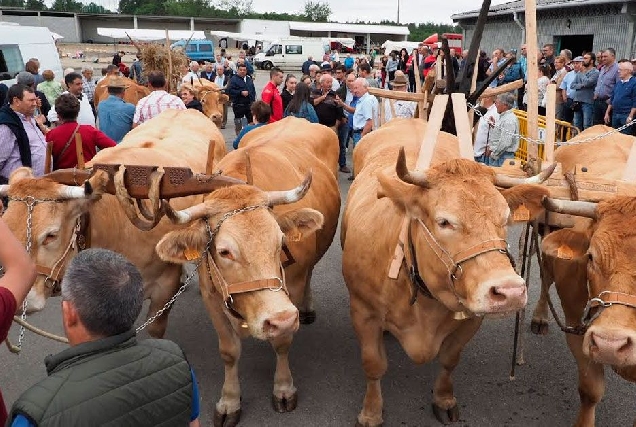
(382, 111)
(473, 50)
(416, 70)
(79, 150)
(49, 157)
(472, 98)
(533, 77)
(462, 126)
(432, 130)
(392, 94)
(169, 53)
(494, 91)
(550, 128)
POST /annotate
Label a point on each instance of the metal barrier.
(564, 132)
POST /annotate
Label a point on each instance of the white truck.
(18, 44)
(290, 53)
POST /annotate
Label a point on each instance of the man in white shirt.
(399, 108)
(158, 100)
(75, 86)
(193, 74)
(484, 128)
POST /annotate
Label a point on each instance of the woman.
(33, 67)
(300, 106)
(62, 138)
(288, 91)
(392, 64)
(305, 79)
(544, 81)
(557, 78)
(49, 87)
(403, 59)
(383, 71)
(410, 69)
(189, 97)
(261, 112)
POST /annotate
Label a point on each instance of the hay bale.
(154, 56)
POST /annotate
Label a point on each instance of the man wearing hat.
(114, 114)
(567, 92)
(399, 108)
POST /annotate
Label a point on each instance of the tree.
(67, 6)
(94, 8)
(239, 7)
(316, 11)
(12, 3)
(35, 5)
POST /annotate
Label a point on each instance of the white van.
(290, 53)
(18, 44)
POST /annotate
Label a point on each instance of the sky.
(418, 11)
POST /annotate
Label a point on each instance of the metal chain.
(538, 141)
(30, 203)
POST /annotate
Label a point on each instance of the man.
(242, 94)
(117, 58)
(19, 275)
(23, 141)
(345, 99)
(339, 74)
(136, 71)
(328, 110)
(75, 86)
(43, 104)
(584, 83)
(248, 64)
(110, 71)
(498, 59)
(399, 108)
(622, 104)
(192, 75)
(504, 139)
(366, 113)
(222, 80)
(306, 64)
(548, 55)
(364, 71)
(115, 115)
(429, 61)
(88, 85)
(484, 128)
(107, 375)
(607, 79)
(208, 72)
(271, 95)
(313, 75)
(159, 100)
(567, 54)
(567, 92)
(349, 61)
(326, 69)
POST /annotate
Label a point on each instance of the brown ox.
(210, 95)
(457, 221)
(594, 259)
(247, 249)
(133, 93)
(174, 138)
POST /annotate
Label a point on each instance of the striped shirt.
(153, 104)
(10, 153)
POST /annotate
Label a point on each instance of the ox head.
(51, 223)
(244, 238)
(458, 228)
(213, 99)
(604, 255)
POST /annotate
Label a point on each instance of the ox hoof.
(226, 420)
(307, 317)
(286, 404)
(539, 327)
(446, 416)
(359, 424)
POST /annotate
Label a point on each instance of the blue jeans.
(482, 159)
(500, 161)
(583, 118)
(600, 107)
(356, 136)
(343, 138)
(619, 120)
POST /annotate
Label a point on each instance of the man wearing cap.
(399, 108)
(114, 114)
(326, 69)
(567, 92)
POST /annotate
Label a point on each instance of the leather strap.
(481, 248)
(606, 298)
(273, 284)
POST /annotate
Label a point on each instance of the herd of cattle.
(258, 242)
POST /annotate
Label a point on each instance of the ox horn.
(4, 190)
(570, 207)
(185, 216)
(290, 196)
(507, 181)
(73, 192)
(411, 177)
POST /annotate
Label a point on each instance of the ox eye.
(444, 223)
(49, 238)
(225, 253)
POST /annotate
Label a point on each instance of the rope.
(38, 331)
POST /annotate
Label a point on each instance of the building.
(82, 27)
(578, 25)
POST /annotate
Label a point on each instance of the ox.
(174, 138)
(133, 93)
(240, 240)
(455, 240)
(212, 99)
(592, 268)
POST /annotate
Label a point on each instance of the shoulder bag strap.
(68, 143)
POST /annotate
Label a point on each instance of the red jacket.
(91, 140)
(272, 97)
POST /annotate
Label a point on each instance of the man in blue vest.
(107, 376)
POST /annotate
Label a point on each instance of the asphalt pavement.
(325, 363)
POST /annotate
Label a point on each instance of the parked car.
(197, 50)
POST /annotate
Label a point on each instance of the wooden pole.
(79, 150)
(49, 157)
(169, 76)
(550, 125)
(416, 71)
(432, 131)
(533, 77)
(462, 126)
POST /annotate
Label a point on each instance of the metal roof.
(348, 28)
(519, 6)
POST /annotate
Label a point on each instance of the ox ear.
(395, 189)
(19, 174)
(96, 185)
(300, 223)
(525, 201)
(182, 246)
(566, 244)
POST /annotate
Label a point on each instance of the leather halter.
(225, 289)
(453, 263)
(596, 305)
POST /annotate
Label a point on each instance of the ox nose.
(282, 323)
(217, 116)
(507, 297)
(611, 347)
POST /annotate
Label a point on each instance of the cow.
(592, 269)
(212, 98)
(173, 138)
(456, 265)
(133, 93)
(240, 240)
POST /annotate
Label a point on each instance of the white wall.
(262, 26)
